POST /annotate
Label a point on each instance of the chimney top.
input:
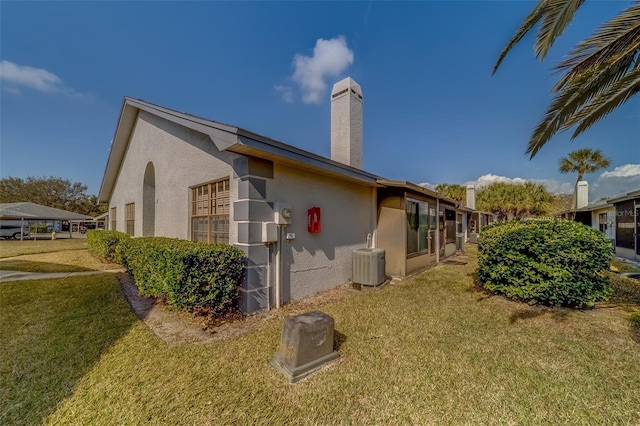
(345, 86)
(471, 197)
(582, 194)
(346, 123)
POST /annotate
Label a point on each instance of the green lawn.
(430, 350)
(60, 261)
(11, 248)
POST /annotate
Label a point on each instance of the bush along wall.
(548, 262)
(187, 275)
(107, 244)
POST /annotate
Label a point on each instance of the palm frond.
(556, 17)
(563, 106)
(566, 166)
(605, 75)
(609, 46)
(605, 102)
(536, 14)
(569, 101)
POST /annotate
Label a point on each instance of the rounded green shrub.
(107, 244)
(187, 275)
(549, 262)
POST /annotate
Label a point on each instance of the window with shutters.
(210, 212)
(130, 211)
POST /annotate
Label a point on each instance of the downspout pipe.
(437, 230)
(280, 266)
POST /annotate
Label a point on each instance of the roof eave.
(225, 138)
(420, 189)
(626, 197)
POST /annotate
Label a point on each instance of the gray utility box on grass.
(368, 266)
(306, 345)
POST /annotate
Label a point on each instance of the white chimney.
(582, 194)
(346, 123)
(471, 197)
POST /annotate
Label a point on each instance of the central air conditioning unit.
(368, 266)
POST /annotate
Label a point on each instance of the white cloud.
(619, 181)
(34, 78)
(286, 92)
(488, 179)
(552, 185)
(622, 171)
(330, 58)
(428, 185)
(622, 179)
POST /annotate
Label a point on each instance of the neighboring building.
(599, 215)
(297, 216)
(28, 214)
(618, 217)
(416, 226)
(475, 220)
(627, 225)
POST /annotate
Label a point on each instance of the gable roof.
(239, 141)
(35, 211)
(596, 205)
(626, 197)
(225, 138)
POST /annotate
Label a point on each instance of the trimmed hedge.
(549, 262)
(187, 275)
(107, 244)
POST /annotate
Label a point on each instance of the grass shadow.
(525, 314)
(454, 262)
(53, 332)
(626, 291)
(43, 267)
(635, 326)
(338, 339)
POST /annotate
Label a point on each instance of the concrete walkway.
(6, 276)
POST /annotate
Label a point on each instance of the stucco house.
(298, 216)
(600, 215)
(618, 217)
(627, 224)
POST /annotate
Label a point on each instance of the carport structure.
(27, 212)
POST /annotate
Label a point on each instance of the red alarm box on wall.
(314, 223)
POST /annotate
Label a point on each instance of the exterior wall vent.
(368, 266)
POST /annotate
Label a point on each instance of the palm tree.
(601, 72)
(583, 161)
(453, 191)
(514, 201)
(536, 200)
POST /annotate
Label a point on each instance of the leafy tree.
(53, 192)
(496, 198)
(535, 200)
(600, 73)
(453, 191)
(515, 201)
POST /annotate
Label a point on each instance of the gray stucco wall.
(322, 260)
(181, 158)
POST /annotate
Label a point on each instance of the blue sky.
(432, 111)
